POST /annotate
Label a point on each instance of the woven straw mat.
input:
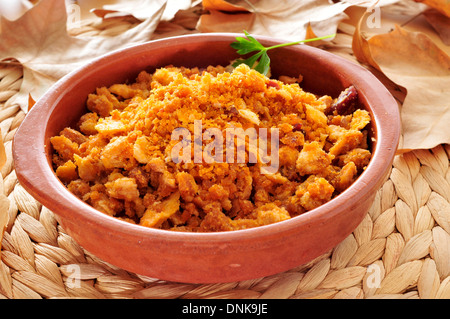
(400, 250)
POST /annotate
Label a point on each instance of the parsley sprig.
(250, 44)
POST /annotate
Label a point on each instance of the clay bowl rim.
(385, 117)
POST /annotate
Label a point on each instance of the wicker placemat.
(400, 250)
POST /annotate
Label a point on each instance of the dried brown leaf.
(413, 61)
(140, 9)
(40, 42)
(31, 102)
(360, 44)
(440, 23)
(442, 6)
(223, 5)
(286, 19)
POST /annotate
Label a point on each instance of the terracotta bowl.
(205, 257)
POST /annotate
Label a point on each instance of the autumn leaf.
(223, 5)
(413, 61)
(31, 102)
(142, 9)
(39, 41)
(179, 16)
(441, 5)
(379, 3)
(283, 19)
(360, 45)
(440, 23)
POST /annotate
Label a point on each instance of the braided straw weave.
(400, 250)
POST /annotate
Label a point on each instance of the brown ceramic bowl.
(205, 257)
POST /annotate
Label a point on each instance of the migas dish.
(205, 257)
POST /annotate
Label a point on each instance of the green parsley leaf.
(263, 65)
(249, 44)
